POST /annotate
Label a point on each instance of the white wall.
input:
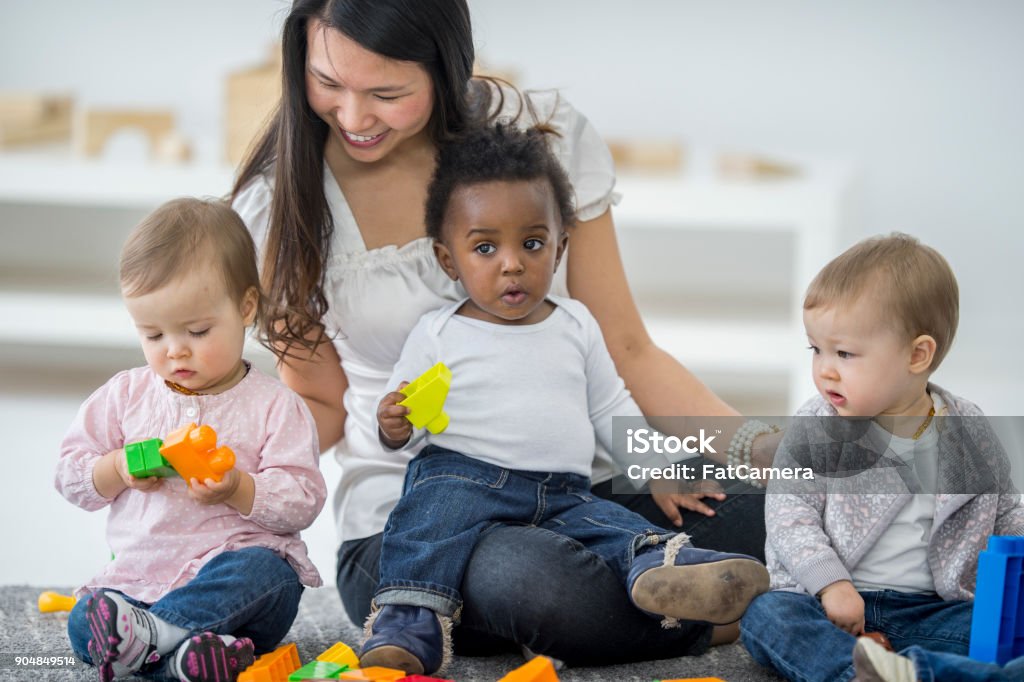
(923, 97)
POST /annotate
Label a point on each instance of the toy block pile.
(340, 662)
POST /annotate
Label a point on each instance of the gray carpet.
(320, 623)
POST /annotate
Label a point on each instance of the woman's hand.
(844, 607)
(670, 499)
(395, 429)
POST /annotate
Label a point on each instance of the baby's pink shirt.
(161, 539)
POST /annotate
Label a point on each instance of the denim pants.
(934, 666)
(250, 593)
(576, 610)
(789, 631)
(449, 499)
(737, 525)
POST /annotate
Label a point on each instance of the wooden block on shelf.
(658, 156)
(94, 127)
(28, 118)
(251, 96)
(742, 166)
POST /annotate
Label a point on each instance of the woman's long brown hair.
(290, 151)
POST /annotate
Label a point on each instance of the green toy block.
(318, 670)
(144, 459)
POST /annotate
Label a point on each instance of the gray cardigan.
(818, 531)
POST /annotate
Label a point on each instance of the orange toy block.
(193, 453)
(539, 669)
(50, 602)
(341, 654)
(273, 667)
(373, 674)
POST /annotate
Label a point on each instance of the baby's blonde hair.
(912, 284)
(183, 233)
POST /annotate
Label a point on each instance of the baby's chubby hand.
(394, 427)
(212, 492)
(844, 606)
(143, 485)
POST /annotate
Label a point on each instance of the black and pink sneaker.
(123, 636)
(208, 657)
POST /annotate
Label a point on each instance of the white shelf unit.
(62, 223)
(717, 268)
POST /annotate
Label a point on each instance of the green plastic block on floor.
(144, 459)
(318, 670)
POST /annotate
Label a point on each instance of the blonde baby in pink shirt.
(205, 573)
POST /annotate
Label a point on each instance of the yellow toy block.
(539, 669)
(273, 667)
(193, 453)
(373, 674)
(425, 398)
(51, 601)
(341, 654)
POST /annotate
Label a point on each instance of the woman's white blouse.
(375, 297)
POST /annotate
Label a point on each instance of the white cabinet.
(718, 269)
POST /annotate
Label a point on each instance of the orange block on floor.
(51, 601)
(341, 654)
(192, 451)
(373, 674)
(273, 667)
(539, 669)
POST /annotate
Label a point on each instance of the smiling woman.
(374, 104)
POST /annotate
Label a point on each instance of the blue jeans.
(789, 631)
(250, 593)
(449, 499)
(577, 610)
(737, 526)
(932, 666)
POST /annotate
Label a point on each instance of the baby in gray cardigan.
(909, 479)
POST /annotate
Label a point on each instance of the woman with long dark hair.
(334, 194)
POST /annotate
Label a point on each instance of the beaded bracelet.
(741, 446)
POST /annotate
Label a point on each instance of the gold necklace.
(924, 424)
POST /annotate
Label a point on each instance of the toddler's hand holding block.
(193, 453)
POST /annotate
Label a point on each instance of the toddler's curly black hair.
(495, 153)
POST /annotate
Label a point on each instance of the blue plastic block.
(997, 622)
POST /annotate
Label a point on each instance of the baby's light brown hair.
(912, 284)
(182, 234)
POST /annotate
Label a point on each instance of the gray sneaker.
(872, 663)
